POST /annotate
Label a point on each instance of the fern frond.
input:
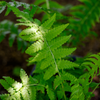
(92, 64)
(84, 18)
(19, 91)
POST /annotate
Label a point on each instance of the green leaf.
(4, 84)
(30, 34)
(60, 53)
(46, 62)
(4, 96)
(50, 93)
(55, 31)
(69, 77)
(59, 41)
(9, 80)
(65, 64)
(32, 92)
(8, 11)
(58, 80)
(24, 77)
(35, 47)
(24, 93)
(47, 24)
(50, 72)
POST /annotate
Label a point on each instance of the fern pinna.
(84, 17)
(51, 78)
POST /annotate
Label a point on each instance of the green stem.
(93, 90)
(47, 3)
(56, 67)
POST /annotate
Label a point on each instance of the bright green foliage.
(18, 91)
(84, 17)
(52, 76)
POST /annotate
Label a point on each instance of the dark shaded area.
(10, 57)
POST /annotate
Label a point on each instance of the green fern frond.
(84, 18)
(52, 70)
(92, 64)
(18, 91)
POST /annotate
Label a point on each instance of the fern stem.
(47, 2)
(93, 90)
(56, 67)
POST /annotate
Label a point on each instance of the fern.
(47, 49)
(92, 65)
(84, 17)
(18, 91)
(52, 75)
